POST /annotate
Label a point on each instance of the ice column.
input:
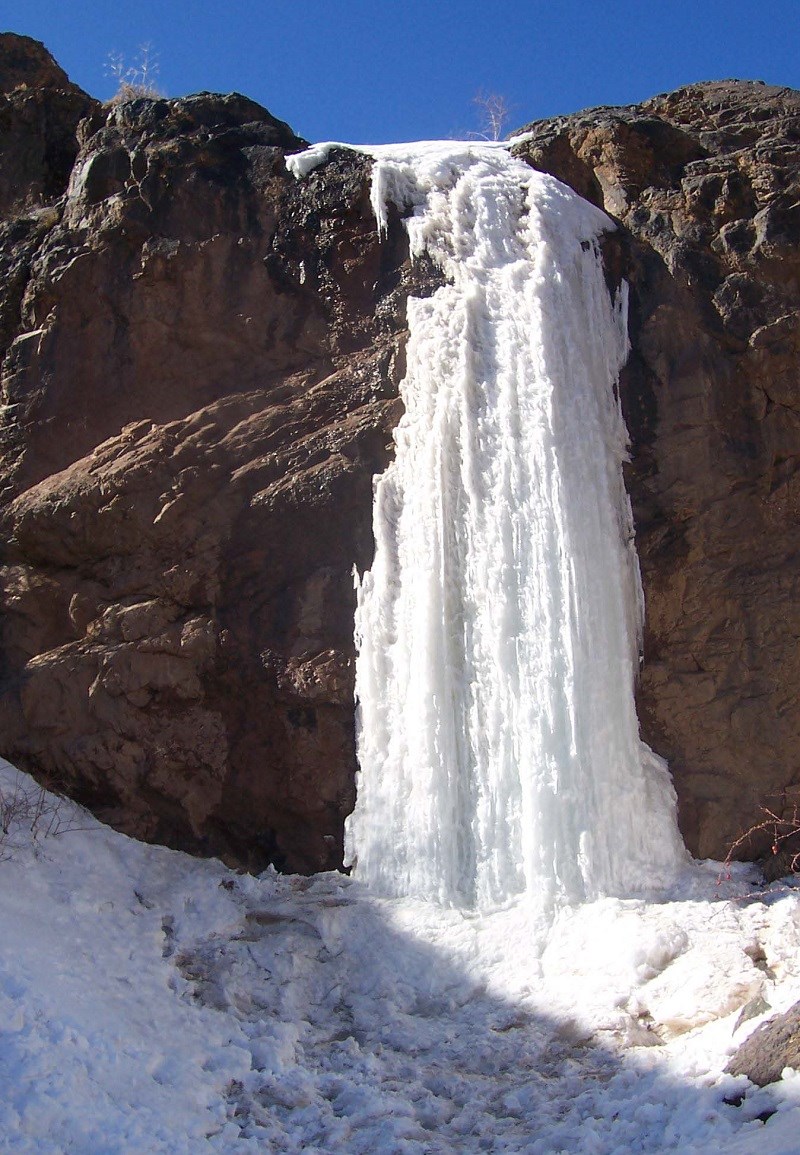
(498, 628)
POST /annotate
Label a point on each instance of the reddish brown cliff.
(199, 380)
(200, 359)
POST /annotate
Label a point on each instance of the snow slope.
(150, 1002)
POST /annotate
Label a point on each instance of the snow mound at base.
(150, 1002)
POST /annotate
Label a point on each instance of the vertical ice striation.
(498, 629)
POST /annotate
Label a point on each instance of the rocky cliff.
(200, 360)
(200, 367)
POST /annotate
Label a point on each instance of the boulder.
(772, 1046)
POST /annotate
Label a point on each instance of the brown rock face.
(706, 184)
(200, 360)
(198, 384)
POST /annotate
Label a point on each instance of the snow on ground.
(150, 1002)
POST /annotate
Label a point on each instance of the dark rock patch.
(772, 1046)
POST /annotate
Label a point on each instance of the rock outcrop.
(773, 1045)
(39, 113)
(200, 361)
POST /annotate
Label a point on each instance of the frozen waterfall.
(498, 630)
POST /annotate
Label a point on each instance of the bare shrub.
(139, 79)
(494, 112)
(779, 831)
(29, 813)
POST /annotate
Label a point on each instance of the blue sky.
(374, 72)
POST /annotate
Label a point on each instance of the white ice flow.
(499, 627)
